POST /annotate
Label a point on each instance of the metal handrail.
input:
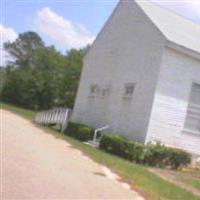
(98, 130)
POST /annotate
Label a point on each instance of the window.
(129, 89)
(192, 121)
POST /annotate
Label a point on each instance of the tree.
(2, 77)
(22, 49)
(49, 75)
(44, 78)
(71, 75)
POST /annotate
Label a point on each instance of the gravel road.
(36, 165)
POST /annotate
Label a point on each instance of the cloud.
(61, 30)
(7, 34)
(189, 9)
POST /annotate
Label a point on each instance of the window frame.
(185, 129)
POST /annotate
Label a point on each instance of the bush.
(152, 154)
(79, 131)
(122, 147)
(179, 158)
(162, 156)
(156, 154)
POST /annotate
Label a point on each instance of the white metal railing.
(56, 116)
(95, 141)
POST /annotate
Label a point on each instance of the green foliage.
(22, 49)
(40, 77)
(152, 154)
(2, 77)
(79, 131)
(178, 158)
(27, 114)
(71, 74)
(161, 156)
(122, 147)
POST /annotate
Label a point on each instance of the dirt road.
(35, 165)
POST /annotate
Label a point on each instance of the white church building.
(142, 77)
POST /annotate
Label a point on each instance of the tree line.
(40, 77)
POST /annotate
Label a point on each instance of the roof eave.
(183, 49)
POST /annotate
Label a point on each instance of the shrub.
(179, 158)
(79, 131)
(162, 156)
(155, 155)
(122, 147)
(152, 154)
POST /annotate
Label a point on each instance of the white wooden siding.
(177, 74)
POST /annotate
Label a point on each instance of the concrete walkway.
(35, 165)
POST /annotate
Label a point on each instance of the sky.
(69, 24)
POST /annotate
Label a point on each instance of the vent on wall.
(99, 91)
(129, 89)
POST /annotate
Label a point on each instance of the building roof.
(175, 28)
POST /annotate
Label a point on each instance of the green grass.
(28, 114)
(147, 183)
(196, 172)
(193, 182)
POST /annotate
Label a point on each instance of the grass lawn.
(28, 114)
(196, 173)
(138, 176)
(193, 182)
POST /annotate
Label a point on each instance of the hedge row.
(79, 131)
(122, 147)
(151, 154)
